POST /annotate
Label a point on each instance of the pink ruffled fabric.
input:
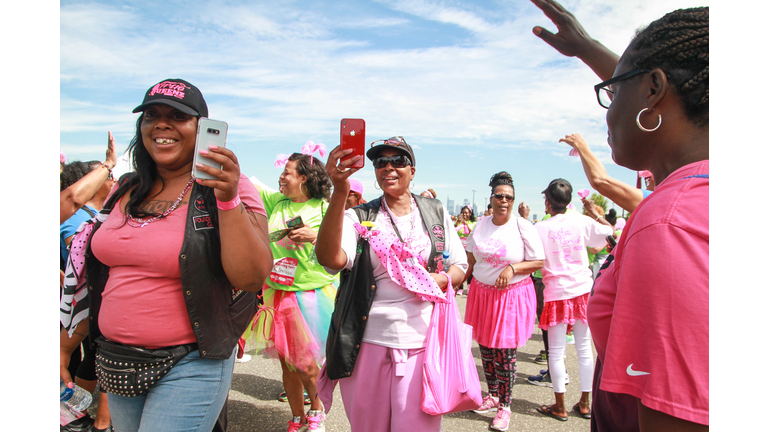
(293, 329)
(501, 318)
(564, 311)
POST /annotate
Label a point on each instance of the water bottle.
(76, 398)
(446, 255)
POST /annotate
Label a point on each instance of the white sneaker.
(245, 358)
(314, 423)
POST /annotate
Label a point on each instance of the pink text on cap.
(169, 88)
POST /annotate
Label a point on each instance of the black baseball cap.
(397, 143)
(178, 94)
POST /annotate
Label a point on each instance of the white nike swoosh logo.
(632, 372)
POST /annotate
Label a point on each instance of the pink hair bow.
(583, 193)
(645, 174)
(311, 147)
(62, 157)
(282, 159)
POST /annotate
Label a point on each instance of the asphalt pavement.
(253, 404)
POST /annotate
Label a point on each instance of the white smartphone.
(209, 132)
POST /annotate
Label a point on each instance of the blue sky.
(465, 82)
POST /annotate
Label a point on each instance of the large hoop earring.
(305, 187)
(376, 185)
(637, 120)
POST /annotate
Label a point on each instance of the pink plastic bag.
(451, 383)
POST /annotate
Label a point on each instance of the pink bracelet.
(228, 205)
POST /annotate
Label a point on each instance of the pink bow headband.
(309, 148)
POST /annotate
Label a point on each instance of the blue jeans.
(188, 398)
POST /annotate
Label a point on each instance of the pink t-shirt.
(496, 247)
(142, 303)
(566, 273)
(649, 311)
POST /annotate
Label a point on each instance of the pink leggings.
(384, 392)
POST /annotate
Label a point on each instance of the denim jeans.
(188, 398)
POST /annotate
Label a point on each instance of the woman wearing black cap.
(384, 305)
(171, 270)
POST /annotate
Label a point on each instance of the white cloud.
(283, 73)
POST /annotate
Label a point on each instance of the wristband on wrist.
(228, 205)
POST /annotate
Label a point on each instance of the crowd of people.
(165, 275)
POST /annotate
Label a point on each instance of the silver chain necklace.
(389, 213)
(141, 223)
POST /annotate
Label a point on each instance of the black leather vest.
(357, 288)
(218, 312)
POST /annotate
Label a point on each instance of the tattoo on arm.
(157, 207)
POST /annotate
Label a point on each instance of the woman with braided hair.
(503, 250)
(650, 330)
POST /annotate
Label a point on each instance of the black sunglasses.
(397, 161)
(503, 196)
(605, 95)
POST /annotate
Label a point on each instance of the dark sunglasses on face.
(503, 196)
(397, 161)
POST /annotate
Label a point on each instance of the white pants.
(583, 342)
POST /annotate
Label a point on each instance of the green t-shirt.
(279, 209)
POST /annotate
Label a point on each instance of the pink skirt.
(564, 311)
(293, 325)
(501, 318)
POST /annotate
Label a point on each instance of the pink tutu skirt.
(501, 318)
(293, 325)
(564, 311)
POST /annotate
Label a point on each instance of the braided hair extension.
(501, 178)
(678, 43)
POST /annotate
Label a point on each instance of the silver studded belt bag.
(130, 371)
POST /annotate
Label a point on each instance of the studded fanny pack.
(130, 371)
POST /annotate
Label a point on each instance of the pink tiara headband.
(309, 148)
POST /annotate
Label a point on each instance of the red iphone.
(353, 136)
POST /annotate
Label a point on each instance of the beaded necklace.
(141, 223)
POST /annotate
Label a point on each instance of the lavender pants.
(384, 392)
